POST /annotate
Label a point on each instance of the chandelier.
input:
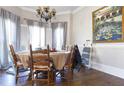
(45, 13)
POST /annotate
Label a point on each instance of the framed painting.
(108, 24)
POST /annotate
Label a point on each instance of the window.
(24, 42)
(59, 35)
(10, 27)
(11, 31)
(9, 34)
(42, 37)
(59, 38)
(34, 34)
(37, 37)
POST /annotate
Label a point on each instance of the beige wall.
(111, 54)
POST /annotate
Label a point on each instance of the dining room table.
(59, 58)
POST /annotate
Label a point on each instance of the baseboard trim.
(109, 69)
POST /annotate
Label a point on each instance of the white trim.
(63, 13)
(27, 9)
(109, 69)
(32, 10)
(77, 9)
(59, 13)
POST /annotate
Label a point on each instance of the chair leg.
(72, 70)
(52, 72)
(17, 74)
(48, 77)
(16, 80)
(32, 77)
(51, 76)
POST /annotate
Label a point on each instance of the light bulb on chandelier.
(45, 13)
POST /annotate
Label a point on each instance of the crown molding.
(78, 9)
(63, 13)
(59, 13)
(32, 10)
(27, 9)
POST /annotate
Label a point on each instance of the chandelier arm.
(45, 13)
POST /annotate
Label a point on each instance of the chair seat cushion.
(44, 67)
(19, 63)
(22, 69)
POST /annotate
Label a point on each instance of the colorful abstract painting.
(107, 24)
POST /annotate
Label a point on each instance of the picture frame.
(108, 24)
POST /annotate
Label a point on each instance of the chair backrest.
(48, 51)
(13, 55)
(44, 51)
(70, 58)
(41, 61)
(31, 57)
(72, 54)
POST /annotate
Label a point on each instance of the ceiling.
(59, 9)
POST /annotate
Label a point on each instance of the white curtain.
(9, 34)
(24, 38)
(37, 34)
(59, 34)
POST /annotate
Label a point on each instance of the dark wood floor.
(83, 78)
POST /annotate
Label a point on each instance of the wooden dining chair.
(17, 63)
(44, 51)
(68, 64)
(70, 60)
(41, 66)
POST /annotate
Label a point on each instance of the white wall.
(109, 54)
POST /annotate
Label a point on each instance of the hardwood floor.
(83, 78)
